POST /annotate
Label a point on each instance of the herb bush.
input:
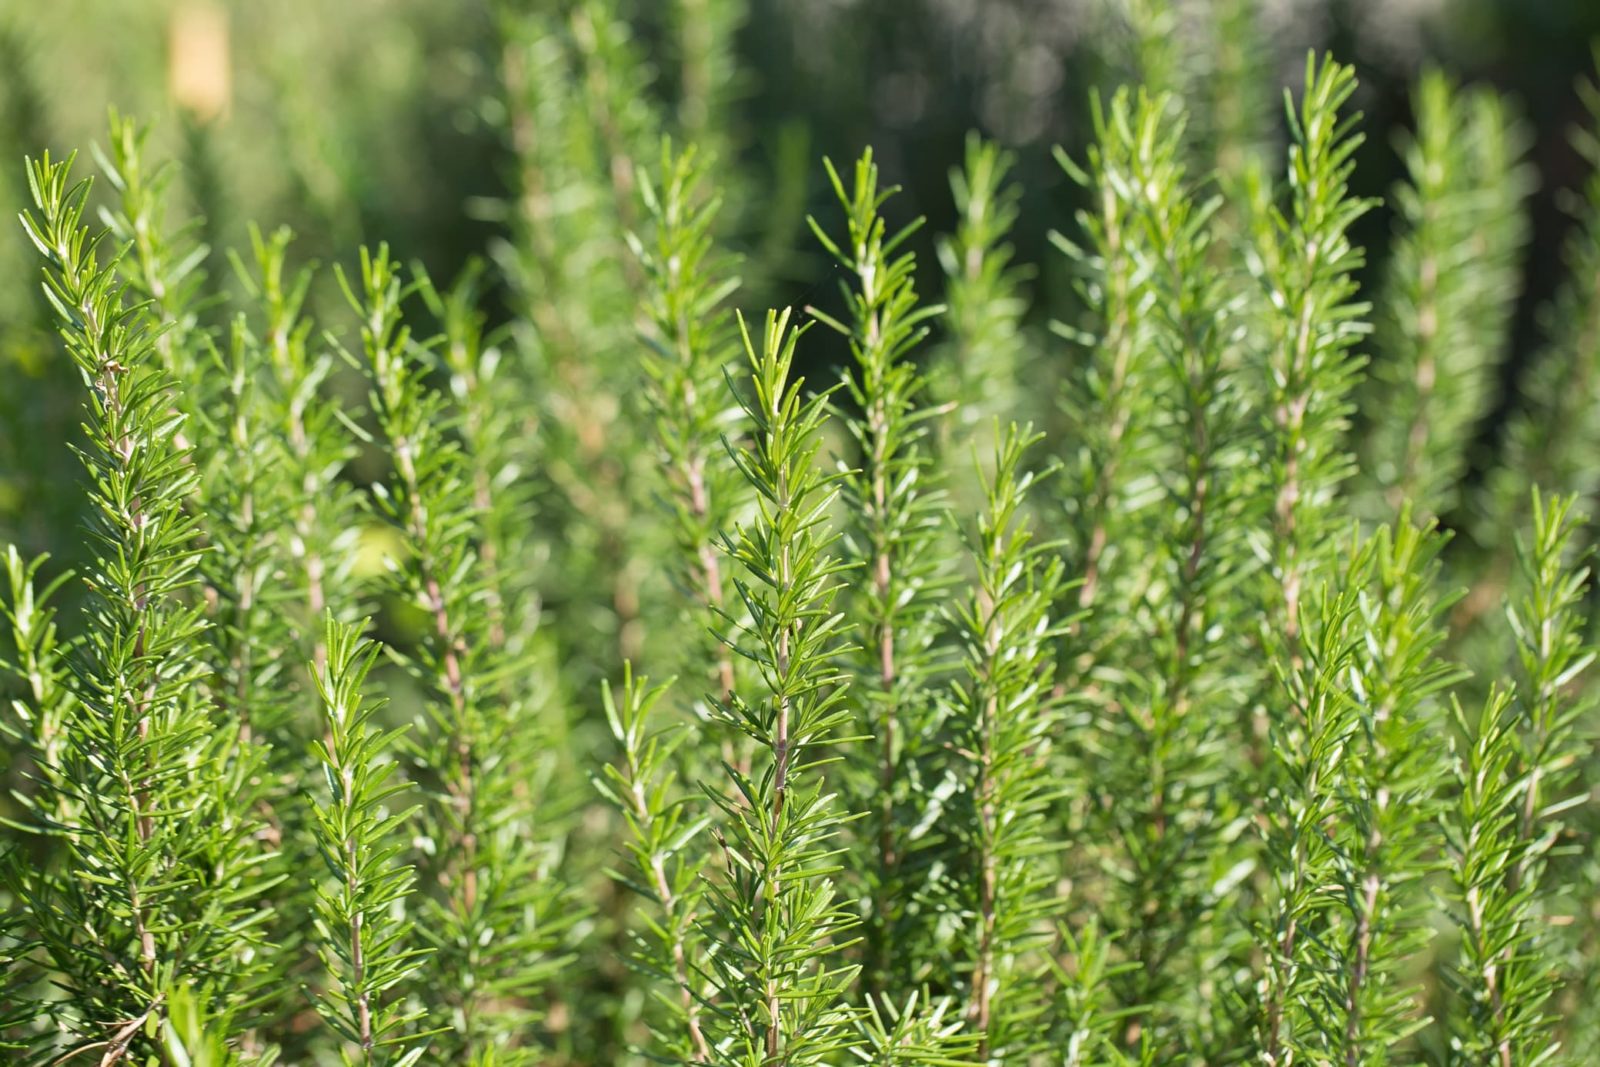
(1181, 687)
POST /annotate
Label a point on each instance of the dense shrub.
(1168, 689)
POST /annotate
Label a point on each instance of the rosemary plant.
(490, 912)
(1386, 831)
(1006, 713)
(317, 550)
(38, 722)
(1085, 1025)
(1212, 57)
(1107, 404)
(159, 875)
(163, 268)
(367, 944)
(1516, 777)
(1444, 322)
(1310, 755)
(984, 289)
(1168, 767)
(892, 540)
(780, 984)
(1303, 258)
(1354, 818)
(579, 123)
(688, 348)
(1183, 672)
(662, 827)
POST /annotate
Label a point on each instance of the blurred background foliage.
(372, 119)
(382, 118)
(392, 120)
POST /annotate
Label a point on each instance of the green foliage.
(158, 877)
(1387, 832)
(688, 349)
(1303, 258)
(780, 991)
(188, 1040)
(984, 291)
(1444, 323)
(368, 950)
(892, 540)
(1004, 720)
(1354, 814)
(1108, 402)
(1167, 767)
(1176, 669)
(1309, 747)
(662, 826)
(1551, 441)
(493, 918)
(1516, 777)
(311, 451)
(579, 120)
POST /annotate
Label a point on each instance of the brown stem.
(680, 966)
(882, 583)
(243, 659)
(1490, 974)
(358, 960)
(691, 478)
(1358, 970)
(1425, 381)
(1275, 999)
(117, 1045)
(1118, 338)
(780, 790)
(982, 971)
(313, 567)
(710, 564)
(110, 387)
(781, 755)
(982, 1007)
(1290, 421)
(482, 498)
(463, 788)
(675, 923)
(1283, 964)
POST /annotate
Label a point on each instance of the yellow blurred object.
(378, 546)
(200, 71)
